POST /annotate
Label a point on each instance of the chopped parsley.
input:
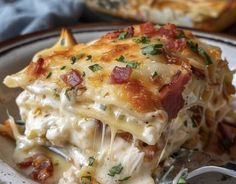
(152, 49)
(181, 35)
(132, 64)
(125, 178)
(84, 74)
(121, 59)
(67, 91)
(143, 40)
(182, 181)
(49, 75)
(122, 36)
(204, 54)
(95, 67)
(115, 170)
(154, 74)
(89, 57)
(63, 67)
(91, 161)
(198, 50)
(73, 59)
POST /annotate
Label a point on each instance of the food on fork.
(121, 105)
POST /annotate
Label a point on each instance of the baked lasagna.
(121, 105)
(210, 15)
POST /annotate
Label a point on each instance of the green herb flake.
(143, 40)
(193, 46)
(122, 36)
(95, 67)
(115, 170)
(181, 35)
(182, 181)
(89, 57)
(194, 123)
(198, 50)
(49, 75)
(73, 60)
(86, 179)
(63, 67)
(121, 117)
(133, 65)
(83, 74)
(91, 161)
(124, 179)
(56, 164)
(153, 49)
(204, 54)
(67, 91)
(121, 59)
(154, 74)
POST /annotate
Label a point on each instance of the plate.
(16, 54)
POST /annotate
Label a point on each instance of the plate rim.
(21, 40)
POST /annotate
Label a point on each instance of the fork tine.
(207, 169)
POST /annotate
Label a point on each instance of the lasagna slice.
(122, 104)
(210, 15)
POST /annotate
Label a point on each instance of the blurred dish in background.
(208, 15)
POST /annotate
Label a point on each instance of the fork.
(179, 170)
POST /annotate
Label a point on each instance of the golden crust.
(199, 14)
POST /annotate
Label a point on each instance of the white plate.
(17, 54)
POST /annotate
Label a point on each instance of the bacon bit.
(42, 167)
(148, 28)
(168, 31)
(120, 75)
(130, 32)
(113, 35)
(171, 94)
(72, 78)
(116, 34)
(126, 136)
(176, 44)
(171, 58)
(36, 68)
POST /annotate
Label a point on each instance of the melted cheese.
(86, 120)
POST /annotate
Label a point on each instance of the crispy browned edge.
(226, 18)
